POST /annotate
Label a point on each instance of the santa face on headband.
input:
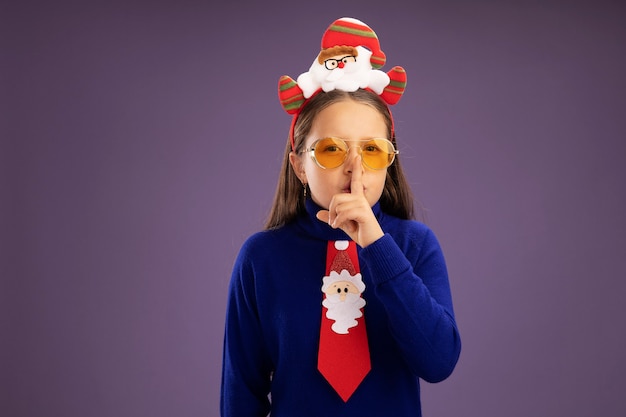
(344, 68)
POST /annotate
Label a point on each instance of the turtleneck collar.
(320, 230)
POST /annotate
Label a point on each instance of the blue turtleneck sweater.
(274, 313)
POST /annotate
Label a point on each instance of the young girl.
(343, 303)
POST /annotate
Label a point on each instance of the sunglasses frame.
(311, 152)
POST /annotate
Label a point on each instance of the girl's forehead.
(348, 120)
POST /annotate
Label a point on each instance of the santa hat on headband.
(353, 32)
(349, 59)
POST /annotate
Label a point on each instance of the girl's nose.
(353, 159)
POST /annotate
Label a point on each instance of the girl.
(343, 303)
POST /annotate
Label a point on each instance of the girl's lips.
(348, 190)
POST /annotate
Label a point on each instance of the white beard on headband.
(351, 77)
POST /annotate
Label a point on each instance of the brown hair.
(396, 198)
(336, 50)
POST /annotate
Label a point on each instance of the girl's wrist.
(369, 238)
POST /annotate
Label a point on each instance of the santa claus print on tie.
(343, 334)
(343, 287)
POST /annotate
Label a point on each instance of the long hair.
(396, 198)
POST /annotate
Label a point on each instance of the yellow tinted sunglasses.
(376, 153)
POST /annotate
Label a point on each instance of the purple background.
(141, 145)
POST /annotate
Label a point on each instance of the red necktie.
(343, 356)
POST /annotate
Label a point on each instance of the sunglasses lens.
(378, 153)
(330, 152)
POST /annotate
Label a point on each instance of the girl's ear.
(297, 166)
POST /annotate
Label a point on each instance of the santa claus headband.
(349, 59)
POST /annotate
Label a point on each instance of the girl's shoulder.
(416, 239)
(403, 227)
(268, 240)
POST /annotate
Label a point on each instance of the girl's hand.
(352, 213)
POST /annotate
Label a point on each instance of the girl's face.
(352, 121)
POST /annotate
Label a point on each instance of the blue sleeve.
(415, 292)
(246, 368)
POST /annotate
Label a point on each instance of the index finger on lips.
(356, 183)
